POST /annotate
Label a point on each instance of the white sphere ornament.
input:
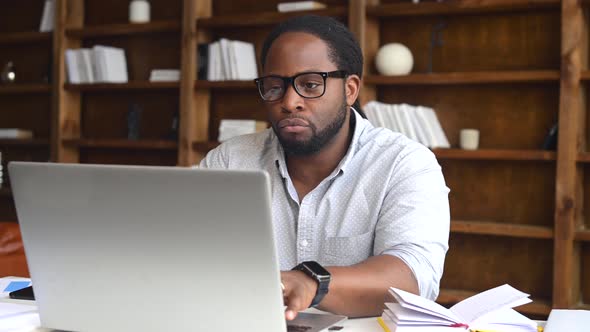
(394, 59)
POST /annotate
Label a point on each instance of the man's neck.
(307, 172)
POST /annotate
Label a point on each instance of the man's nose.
(292, 101)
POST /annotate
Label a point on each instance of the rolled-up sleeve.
(414, 220)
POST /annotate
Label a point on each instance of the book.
(15, 133)
(231, 128)
(164, 75)
(299, 5)
(48, 16)
(489, 310)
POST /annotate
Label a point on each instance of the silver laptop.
(131, 248)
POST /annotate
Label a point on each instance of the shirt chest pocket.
(348, 250)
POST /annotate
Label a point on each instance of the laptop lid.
(132, 248)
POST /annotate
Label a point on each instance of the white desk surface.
(350, 325)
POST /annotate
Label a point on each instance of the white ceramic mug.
(469, 139)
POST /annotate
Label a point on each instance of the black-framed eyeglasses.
(307, 84)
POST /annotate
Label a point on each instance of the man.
(368, 205)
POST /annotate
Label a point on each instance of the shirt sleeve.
(414, 220)
(216, 158)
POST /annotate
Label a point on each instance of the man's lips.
(293, 122)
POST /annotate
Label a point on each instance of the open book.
(489, 310)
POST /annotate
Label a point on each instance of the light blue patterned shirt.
(386, 197)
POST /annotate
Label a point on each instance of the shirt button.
(304, 243)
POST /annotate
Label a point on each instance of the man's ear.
(352, 87)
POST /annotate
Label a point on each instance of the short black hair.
(343, 46)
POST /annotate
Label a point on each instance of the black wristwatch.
(315, 271)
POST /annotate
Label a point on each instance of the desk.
(32, 322)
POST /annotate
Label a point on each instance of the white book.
(214, 72)
(164, 75)
(428, 131)
(401, 125)
(390, 117)
(111, 63)
(406, 116)
(48, 16)
(369, 110)
(225, 61)
(86, 56)
(245, 55)
(72, 67)
(441, 138)
(299, 5)
(418, 126)
(489, 310)
(16, 133)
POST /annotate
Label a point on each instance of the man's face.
(304, 126)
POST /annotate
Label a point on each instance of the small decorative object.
(394, 59)
(469, 139)
(139, 11)
(550, 142)
(8, 75)
(133, 122)
(1, 170)
(173, 133)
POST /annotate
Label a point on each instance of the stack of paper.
(165, 75)
(231, 60)
(489, 310)
(232, 128)
(417, 122)
(568, 320)
(101, 64)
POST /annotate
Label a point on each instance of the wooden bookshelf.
(205, 146)
(451, 296)
(466, 78)
(583, 235)
(584, 158)
(247, 85)
(459, 7)
(25, 37)
(489, 154)
(501, 229)
(25, 143)
(264, 18)
(123, 29)
(137, 85)
(122, 144)
(17, 88)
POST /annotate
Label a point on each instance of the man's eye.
(311, 85)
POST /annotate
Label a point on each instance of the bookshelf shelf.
(466, 78)
(501, 229)
(24, 88)
(123, 29)
(584, 157)
(583, 235)
(27, 143)
(134, 85)
(492, 154)
(264, 19)
(122, 144)
(202, 84)
(452, 296)
(25, 37)
(459, 7)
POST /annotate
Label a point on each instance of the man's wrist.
(319, 275)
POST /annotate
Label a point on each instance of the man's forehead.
(296, 52)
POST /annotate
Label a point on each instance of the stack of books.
(284, 7)
(232, 128)
(100, 64)
(227, 60)
(416, 122)
(490, 310)
(15, 133)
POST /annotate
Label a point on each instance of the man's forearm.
(361, 289)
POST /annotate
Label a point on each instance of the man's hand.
(298, 293)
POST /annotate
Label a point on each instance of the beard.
(318, 140)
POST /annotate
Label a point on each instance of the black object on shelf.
(133, 121)
(550, 141)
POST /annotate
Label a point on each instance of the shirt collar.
(360, 124)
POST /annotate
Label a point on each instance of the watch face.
(316, 268)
